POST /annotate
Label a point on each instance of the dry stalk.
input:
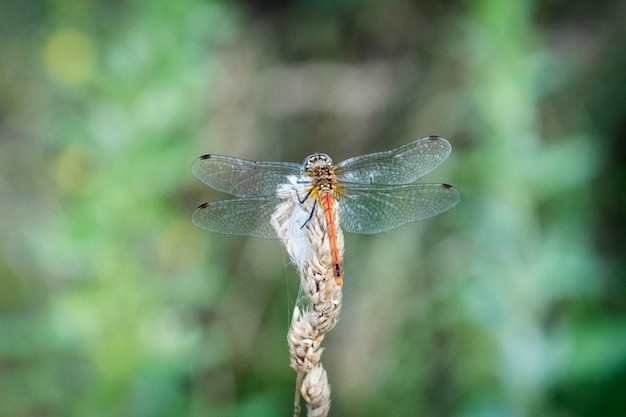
(302, 229)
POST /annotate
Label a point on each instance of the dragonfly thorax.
(319, 168)
(316, 160)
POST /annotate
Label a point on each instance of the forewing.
(402, 165)
(242, 216)
(378, 208)
(241, 177)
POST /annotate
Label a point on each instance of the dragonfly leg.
(310, 214)
(308, 194)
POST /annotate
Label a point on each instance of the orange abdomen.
(328, 203)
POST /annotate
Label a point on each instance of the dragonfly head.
(315, 160)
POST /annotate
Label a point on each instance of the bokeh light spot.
(73, 170)
(69, 56)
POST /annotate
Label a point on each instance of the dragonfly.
(371, 193)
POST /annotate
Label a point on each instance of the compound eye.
(324, 159)
(316, 158)
(309, 161)
(327, 159)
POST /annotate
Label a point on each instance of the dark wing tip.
(448, 186)
(434, 137)
(202, 206)
(207, 156)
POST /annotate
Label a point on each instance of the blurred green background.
(113, 304)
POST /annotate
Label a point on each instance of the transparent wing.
(402, 165)
(241, 216)
(378, 208)
(241, 177)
